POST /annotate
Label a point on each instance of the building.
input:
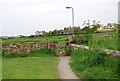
(4, 37)
(119, 12)
(110, 26)
(40, 33)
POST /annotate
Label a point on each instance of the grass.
(102, 42)
(39, 64)
(107, 43)
(94, 64)
(59, 39)
(104, 32)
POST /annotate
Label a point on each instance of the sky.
(25, 17)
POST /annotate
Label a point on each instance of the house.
(61, 31)
(4, 37)
(110, 26)
(67, 32)
(40, 33)
(19, 36)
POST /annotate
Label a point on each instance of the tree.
(55, 32)
(116, 31)
(77, 29)
(89, 30)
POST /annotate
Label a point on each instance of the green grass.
(39, 64)
(59, 39)
(102, 42)
(94, 64)
(104, 32)
(107, 43)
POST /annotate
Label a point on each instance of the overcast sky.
(24, 17)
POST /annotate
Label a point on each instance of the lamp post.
(72, 17)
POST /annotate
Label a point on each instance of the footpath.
(65, 70)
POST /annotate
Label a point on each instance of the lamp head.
(68, 7)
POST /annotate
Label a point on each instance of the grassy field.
(94, 64)
(104, 32)
(40, 64)
(107, 43)
(59, 39)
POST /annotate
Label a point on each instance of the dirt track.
(64, 68)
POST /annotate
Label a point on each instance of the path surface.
(64, 68)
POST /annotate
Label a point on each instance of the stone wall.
(19, 48)
(71, 37)
(112, 52)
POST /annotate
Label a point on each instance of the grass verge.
(94, 64)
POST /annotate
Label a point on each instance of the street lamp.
(72, 17)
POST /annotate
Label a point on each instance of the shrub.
(95, 64)
(98, 58)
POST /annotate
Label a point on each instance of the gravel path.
(64, 68)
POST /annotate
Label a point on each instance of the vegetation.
(87, 64)
(107, 43)
(58, 39)
(40, 64)
(93, 37)
(117, 31)
(104, 32)
(0, 64)
(66, 30)
(87, 31)
(94, 64)
(98, 42)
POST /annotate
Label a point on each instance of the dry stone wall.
(19, 48)
(112, 52)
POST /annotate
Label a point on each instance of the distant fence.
(19, 48)
(112, 52)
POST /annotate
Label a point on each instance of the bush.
(94, 64)
(98, 58)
